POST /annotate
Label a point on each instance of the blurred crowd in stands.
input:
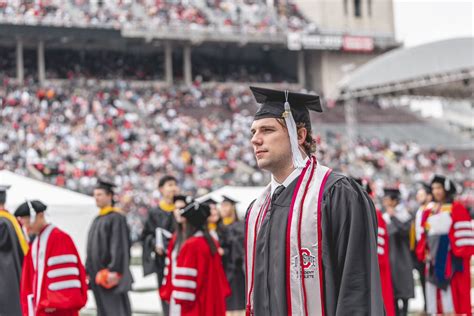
(249, 16)
(71, 134)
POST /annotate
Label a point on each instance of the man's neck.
(167, 200)
(2, 206)
(280, 175)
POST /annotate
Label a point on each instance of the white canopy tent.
(70, 211)
(243, 195)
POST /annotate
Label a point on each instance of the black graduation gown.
(233, 261)
(152, 262)
(11, 260)
(108, 247)
(401, 262)
(349, 253)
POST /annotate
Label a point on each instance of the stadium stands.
(70, 134)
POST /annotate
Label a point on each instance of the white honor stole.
(304, 279)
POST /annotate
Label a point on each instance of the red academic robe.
(461, 241)
(196, 285)
(384, 265)
(53, 280)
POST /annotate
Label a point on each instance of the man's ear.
(302, 133)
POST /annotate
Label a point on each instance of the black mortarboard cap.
(228, 199)
(447, 184)
(393, 193)
(273, 104)
(196, 213)
(209, 201)
(364, 184)
(106, 185)
(3, 193)
(24, 208)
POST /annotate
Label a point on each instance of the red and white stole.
(303, 242)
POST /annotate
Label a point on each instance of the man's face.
(271, 144)
(438, 192)
(169, 189)
(102, 198)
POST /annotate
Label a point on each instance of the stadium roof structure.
(441, 69)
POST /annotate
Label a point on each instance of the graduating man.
(447, 245)
(13, 248)
(311, 237)
(53, 281)
(233, 258)
(108, 255)
(158, 230)
(398, 221)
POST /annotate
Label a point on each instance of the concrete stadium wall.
(377, 16)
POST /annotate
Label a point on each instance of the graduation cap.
(393, 193)
(228, 199)
(186, 199)
(30, 208)
(447, 184)
(209, 201)
(291, 106)
(196, 213)
(364, 184)
(3, 193)
(106, 185)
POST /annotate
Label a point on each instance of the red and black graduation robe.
(13, 248)
(53, 280)
(447, 245)
(196, 285)
(383, 252)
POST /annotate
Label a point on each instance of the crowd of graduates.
(196, 249)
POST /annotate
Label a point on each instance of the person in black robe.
(399, 222)
(108, 256)
(158, 229)
(351, 281)
(233, 258)
(13, 248)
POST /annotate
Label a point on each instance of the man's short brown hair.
(309, 144)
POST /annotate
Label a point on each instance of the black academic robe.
(108, 247)
(233, 261)
(351, 280)
(401, 261)
(11, 260)
(152, 262)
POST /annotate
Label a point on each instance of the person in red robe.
(196, 284)
(383, 254)
(53, 281)
(446, 245)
